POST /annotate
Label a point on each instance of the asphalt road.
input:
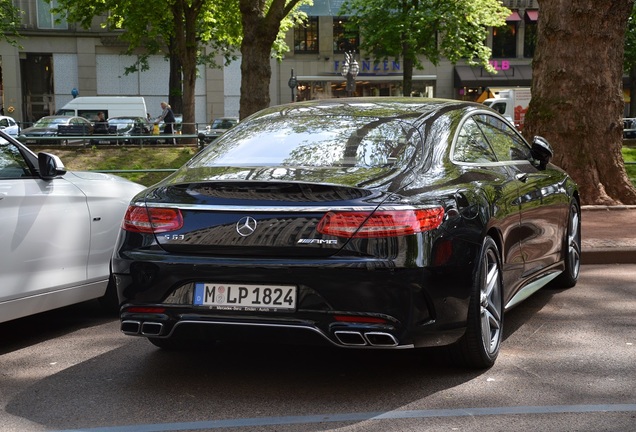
(568, 363)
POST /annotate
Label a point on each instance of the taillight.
(151, 220)
(381, 223)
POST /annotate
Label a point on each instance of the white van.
(111, 106)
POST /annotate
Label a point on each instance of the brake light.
(140, 309)
(381, 223)
(359, 319)
(149, 220)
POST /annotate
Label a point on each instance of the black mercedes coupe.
(381, 223)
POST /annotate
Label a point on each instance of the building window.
(504, 41)
(306, 36)
(346, 37)
(530, 39)
(47, 19)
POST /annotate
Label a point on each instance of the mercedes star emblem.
(246, 226)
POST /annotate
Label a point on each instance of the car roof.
(384, 107)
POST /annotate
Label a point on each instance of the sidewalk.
(608, 234)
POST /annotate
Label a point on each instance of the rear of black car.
(294, 227)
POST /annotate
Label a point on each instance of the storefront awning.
(532, 15)
(514, 17)
(337, 78)
(515, 75)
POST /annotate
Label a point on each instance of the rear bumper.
(382, 306)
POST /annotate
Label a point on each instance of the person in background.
(100, 127)
(168, 119)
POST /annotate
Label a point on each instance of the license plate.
(256, 298)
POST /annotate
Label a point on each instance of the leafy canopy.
(434, 29)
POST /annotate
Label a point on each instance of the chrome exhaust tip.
(381, 339)
(151, 329)
(130, 327)
(350, 338)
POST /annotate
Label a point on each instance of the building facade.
(57, 59)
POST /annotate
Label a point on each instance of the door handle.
(522, 177)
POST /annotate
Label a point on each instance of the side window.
(500, 107)
(505, 141)
(12, 163)
(471, 145)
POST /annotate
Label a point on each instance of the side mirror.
(541, 152)
(50, 166)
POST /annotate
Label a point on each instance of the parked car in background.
(9, 126)
(629, 128)
(47, 127)
(358, 223)
(58, 231)
(126, 128)
(218, 127)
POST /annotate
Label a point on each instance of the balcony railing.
(521, 4)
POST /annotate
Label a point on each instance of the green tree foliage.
(10, 19)
(629, 59)
(181, 29)
(192, 32)
(264, 24)
(433, 29)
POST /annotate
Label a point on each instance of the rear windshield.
(317, 141)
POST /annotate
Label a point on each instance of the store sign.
(368, 66)
(500, 66)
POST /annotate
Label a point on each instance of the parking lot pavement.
(608, 234)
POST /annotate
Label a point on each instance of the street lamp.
(350, 69)
(293, 83)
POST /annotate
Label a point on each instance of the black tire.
(479, 347)
(571, 249)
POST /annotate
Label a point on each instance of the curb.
(608, 256)
(599, 252)
(607, 208)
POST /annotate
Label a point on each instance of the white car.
(58, 231)
(9, 126)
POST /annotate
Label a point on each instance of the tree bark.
(577, 98)
(186, 47)
(259, 33)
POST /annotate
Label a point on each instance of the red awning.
(514, 17)
(532, 15)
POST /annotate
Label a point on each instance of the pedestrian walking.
(168, 119)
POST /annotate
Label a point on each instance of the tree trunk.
(186, 44)
(256, 71)
(256, 47)
(175, 85)
(259, 33)
(577, 98)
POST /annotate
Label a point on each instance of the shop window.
(504, 41)
(346, 36)
(48, 19)
(306, 36)
(530, 39)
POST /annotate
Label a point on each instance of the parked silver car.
(217, 128)
(59, 231)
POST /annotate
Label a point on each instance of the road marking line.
(346, 417)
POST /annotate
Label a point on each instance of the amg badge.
(317, 241)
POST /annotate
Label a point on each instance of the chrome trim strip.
(530, 289)
(295, 327)
(281, 209)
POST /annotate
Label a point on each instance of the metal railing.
(102, 140)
